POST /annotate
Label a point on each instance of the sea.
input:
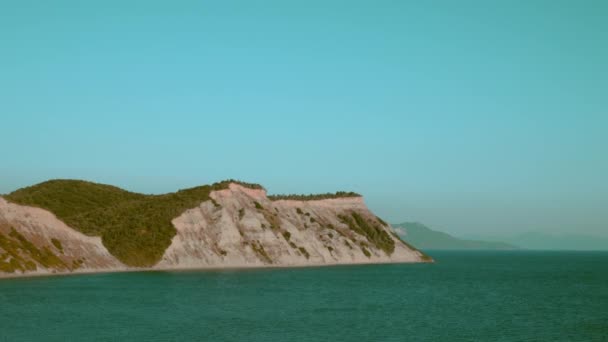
(463, 296)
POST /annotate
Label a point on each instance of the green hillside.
(314, 197)
(135, 228)
(423, 237)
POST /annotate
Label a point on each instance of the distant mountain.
(423, 237)
(538, 240)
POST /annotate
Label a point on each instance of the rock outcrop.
(241, 227)
(34, 241)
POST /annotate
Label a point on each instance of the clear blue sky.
(474, 117)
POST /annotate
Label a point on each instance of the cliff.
(228, 224)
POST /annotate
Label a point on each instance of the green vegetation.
(20, 254)
(241, 213)
(337, 230)
(426, 257)
(313, 197)
(10, 266)
(371, 230)
(299, 211)
(286, 235)
(135, 228)
(65, 197)
(272, 218)
(241, 183)
(259, 250)
(304, 252)
(57, 244)
(77, 263)
(258, 205)
(215, 204)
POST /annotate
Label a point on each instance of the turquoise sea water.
(465, 296)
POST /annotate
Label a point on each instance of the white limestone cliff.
(241, 227)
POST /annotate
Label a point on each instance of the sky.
(473, 117)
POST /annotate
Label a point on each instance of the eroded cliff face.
(241, 227)
(34, 241)
(237, 227)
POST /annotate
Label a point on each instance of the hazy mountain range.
(424, 237)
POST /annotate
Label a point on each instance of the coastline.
(201, 269)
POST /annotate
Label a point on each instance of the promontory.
(74, 226)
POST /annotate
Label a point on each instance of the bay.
(464, 296)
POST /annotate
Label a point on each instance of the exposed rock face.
(238, 227)
(34, 241)
(242, 228)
